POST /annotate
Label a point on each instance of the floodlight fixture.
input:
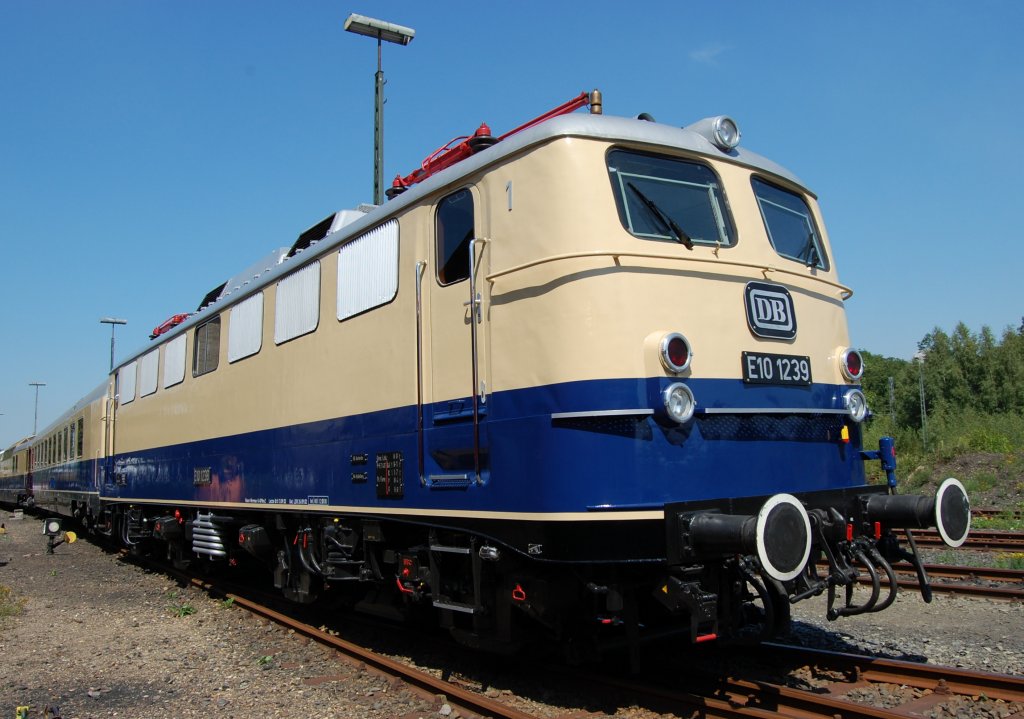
(370, 27)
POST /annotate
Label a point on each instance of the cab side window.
(454, 230)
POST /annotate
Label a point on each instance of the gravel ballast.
(101, 637)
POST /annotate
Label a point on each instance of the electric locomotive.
(589, 379)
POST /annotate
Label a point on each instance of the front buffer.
(727, 556)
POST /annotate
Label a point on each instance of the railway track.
(984, 540)
(467, 702)
(830, 684)
(836, 678)
(989, 582)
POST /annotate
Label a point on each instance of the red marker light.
(675, 352)
(852, 365)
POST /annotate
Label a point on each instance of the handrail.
(845, 292)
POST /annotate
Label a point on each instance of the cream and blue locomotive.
(589, 379)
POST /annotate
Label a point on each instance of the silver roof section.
(16, 447)
(265, 264)
(253, 272)
(600, 127)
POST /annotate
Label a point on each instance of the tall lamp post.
(381, 30)
(113, 322)
(35, 419)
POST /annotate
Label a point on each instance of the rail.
(965, 581)
(983, 540)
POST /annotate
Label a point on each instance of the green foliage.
(9, 605)
(1006, 520)
(185, 609)
(960, 371)
(1014, 560)
(973, 388)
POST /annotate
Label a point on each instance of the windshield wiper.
(667, 221)
(810, 254)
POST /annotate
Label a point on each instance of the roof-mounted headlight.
(721, 131)
(726, 133)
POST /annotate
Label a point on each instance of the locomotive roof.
(600, 127)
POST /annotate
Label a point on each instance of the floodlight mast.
(113, 322)
(370, 27)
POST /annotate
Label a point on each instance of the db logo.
(770, 311)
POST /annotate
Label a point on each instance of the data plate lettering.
(390, 479)
(763, 368)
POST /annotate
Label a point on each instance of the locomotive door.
(456, 411)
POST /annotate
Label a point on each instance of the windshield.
(662, 198)
(789, 224)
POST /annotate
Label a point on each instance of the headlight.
(675, 352)
(726, 133)
(721, 131)
(856, 405)
(679, 402)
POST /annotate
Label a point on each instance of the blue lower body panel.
(597, 460)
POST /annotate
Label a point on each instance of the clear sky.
(151, 149)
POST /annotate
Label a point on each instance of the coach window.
(81, 435)
(667, 199)
(454, 228)
(207, 347)
(789, 224)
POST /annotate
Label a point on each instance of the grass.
(182, 610)
(180, 607)
(1006, 520)
(9, 605)
(1011, 560)
(980, 482)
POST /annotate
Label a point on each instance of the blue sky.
(151, 149)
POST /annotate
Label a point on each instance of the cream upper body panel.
(574, 296)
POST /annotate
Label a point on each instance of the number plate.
(762, 368)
